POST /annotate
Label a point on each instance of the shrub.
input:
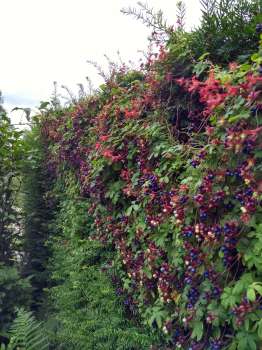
(227, 30)
(85, 308)
(36, 212)
(12, 156)
(14, 292)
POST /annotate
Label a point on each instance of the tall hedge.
(14, 291)
(169, 159)
(37, 216)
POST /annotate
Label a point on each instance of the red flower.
(253, 132)
(107, 153)
(214, 101)
(169, 77)
(232, 90)
(195, 84)
(104, 138)
(209, 130)
(181, 81)
(232, 66)
(133, 114)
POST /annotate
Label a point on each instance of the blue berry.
(259, 28)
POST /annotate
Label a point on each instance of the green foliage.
(26, 333)
(36, 214)
(226, 32)
(86, 313)
(227, 29)
(14, 292)
(11, 160)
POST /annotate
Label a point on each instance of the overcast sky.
(50, 40)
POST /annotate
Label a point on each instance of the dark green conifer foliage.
(14, 291)
(36, 215)
(84, 302)
(11, 158)
(227, 30)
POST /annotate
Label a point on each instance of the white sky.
(50, 40)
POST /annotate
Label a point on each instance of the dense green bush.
(11, 160)
(36, 213)
(228, 30)
(87, 314)
(14, 292)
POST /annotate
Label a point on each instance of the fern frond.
(26, 333)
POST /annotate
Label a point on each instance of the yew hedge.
(168, 159)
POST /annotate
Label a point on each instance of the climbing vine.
(170, 165)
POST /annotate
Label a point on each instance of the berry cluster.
(242, 310)
(230, 235)
(198, 159)
(166, 280)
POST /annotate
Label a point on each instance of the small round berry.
(259, 28)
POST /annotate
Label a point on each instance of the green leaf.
(198, 330)
(254, 57)
(251, 295)
(129, 210)
(202, 57)
(246, 324)
(252, 344)
(259, 330)
(158, 320)
(233, 346)
(258, 288)
(242, 345)
(43, 104)
(227, 299)
(235, 118)
(238, 288)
